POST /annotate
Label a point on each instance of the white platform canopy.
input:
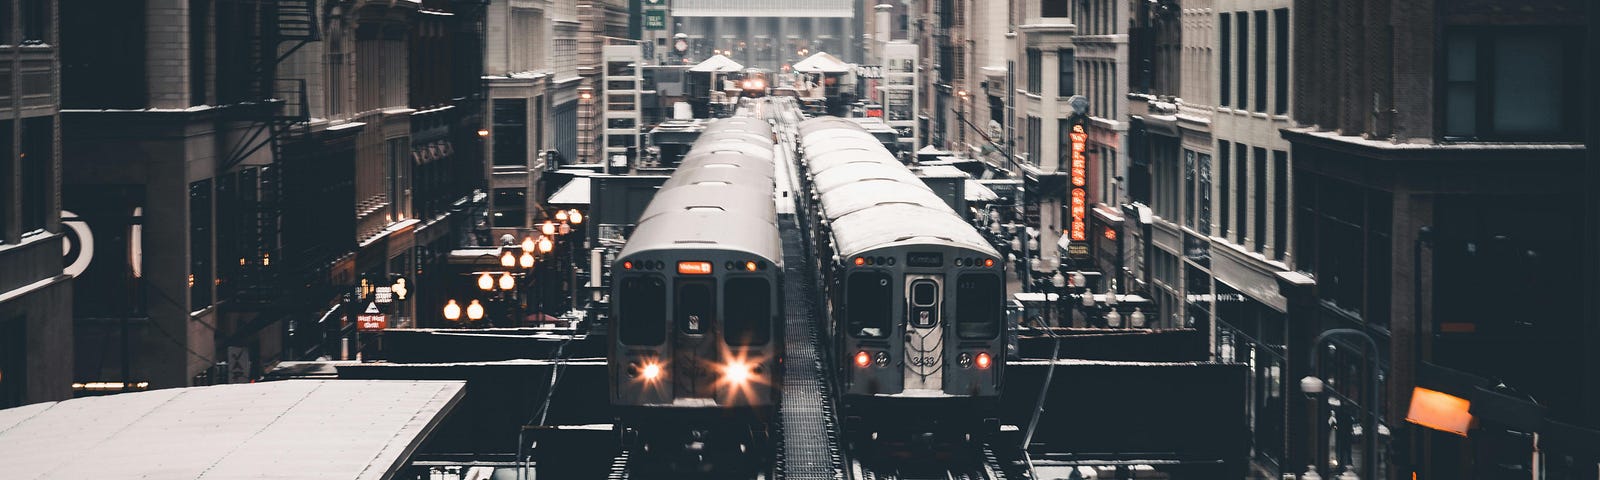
(328, 429)
(821, 62)
(717, 64)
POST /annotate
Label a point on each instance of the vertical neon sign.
(1077, 231)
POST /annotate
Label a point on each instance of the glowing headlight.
(651, 371)
(736, 372)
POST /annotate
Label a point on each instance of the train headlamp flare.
(648, 371)
(737, 372)
(863, 359)
(983, 360)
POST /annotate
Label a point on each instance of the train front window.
(641, 311)
(748, 304)
(978, 308)
(867, 302)
(696, 309)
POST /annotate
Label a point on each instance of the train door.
(694, 338)
(924, 331)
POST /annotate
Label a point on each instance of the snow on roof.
(355, 429)
(575, 192)
(719, 64)
(821, 62)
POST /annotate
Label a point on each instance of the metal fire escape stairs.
(278, 115)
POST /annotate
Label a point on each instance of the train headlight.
(964, 359)
(649, 371)
(863, 359)
(983, 360)
(882, 359)
(736, 372)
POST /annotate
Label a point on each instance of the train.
(913, 294)
(754, 83)
(696, 337)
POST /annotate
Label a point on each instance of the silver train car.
(914, 295)
(696, 335)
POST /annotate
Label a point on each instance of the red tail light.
(863, 359)
(983, 360)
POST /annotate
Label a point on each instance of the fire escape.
(269, 113)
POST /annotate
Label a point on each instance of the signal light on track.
(983, 360)
(863, 359)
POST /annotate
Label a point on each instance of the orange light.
(860, 261)
(694, 268)
(627, 265)
(1440, 411)
(483, 132)
(862, 359)
(736, 372)
(988, 262)
(983, 360)
(650, 371)
(1111, 234)
(750, 266)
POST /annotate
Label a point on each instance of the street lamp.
(1313, 387)
(452, 310)
(526, 261)
(485, 282)
(527, 243)
(547, 228)
(507, 259)
(576, 217)
(1136, 320)
(545, 245)
(475, 311)
(506, 282)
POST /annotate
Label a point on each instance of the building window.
(511, 132)
(200, 274)
(37, 159)
(1241, 204)
(1242, 71)
(1203, 189)
(510, 207)
(1035, 147)
(1188, 188)
(1505, 84)
(8, 169)
(199, 33)
(1280, 77)
(1224, 186)
(1258, 193)
(1280, 204)
(1053, 8)
(1035, 76)
(105, 69)
(619, 69)
(1064, 58)
(35, 21)
(1261, 61)
(1225, 28)
(1348, 228)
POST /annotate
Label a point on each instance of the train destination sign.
(924, 259)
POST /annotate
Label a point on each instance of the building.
(531, 72)
(36, 362)
(281, 153)
(1435, 176)
(766, 35)
(600, 23)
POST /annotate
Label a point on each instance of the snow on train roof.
(752, 178)
(731, 145)
(736, 199)
(899, 223)
(726, 158)
(706, 228)
(847, 173)
(857, 196)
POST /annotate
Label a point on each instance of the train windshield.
(868, 301)
(641, 311)
(747, 304)
(696, 308)
(978, 309)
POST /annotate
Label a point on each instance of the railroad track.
(978, 463)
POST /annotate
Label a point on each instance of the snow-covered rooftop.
(330, 429)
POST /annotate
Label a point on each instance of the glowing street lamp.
(452, 310)
(508, 259)
(576, 217)
(527, 243)
(545, 245)
(475, 311)
(485, 282)
(526, 261)
(506, 282)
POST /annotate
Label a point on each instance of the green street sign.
(655, 20)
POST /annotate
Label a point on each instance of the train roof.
(871, 199)
(857, 196)
(706, 229)
(734, 199)
(845, 174)
(720, 197)
(900, 224)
